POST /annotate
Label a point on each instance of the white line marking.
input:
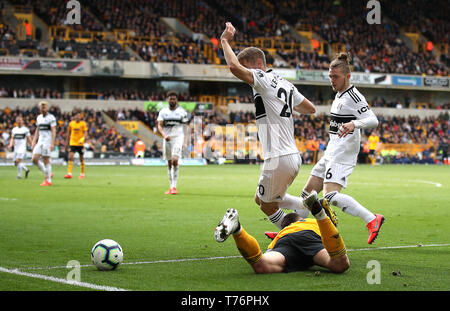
(62, 281)
(229, 257)
(429, 182)
(403, 184)
(8, 199)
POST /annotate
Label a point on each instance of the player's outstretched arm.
(236, 68)
(306, 107)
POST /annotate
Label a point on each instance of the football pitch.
(168, 241)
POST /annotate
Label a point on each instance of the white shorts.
(173, 148)
(277, 175)
(332, 172)
(42, 149)
(19, 155)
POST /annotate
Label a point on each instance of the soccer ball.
(107, 255)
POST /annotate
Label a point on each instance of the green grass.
(47, 227)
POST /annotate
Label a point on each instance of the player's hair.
(342, 60)
(289, 219)
(172, 93)
(251, 54)
(43, 102)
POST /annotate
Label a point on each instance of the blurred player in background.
(44, 141)
(350, 112)
(373, 147)
(76, 137)
(275, 99)
(20, 137)
(172, 126)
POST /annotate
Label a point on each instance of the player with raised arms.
(44, 141)
(275, 99)
(20, 136)
(350, 113)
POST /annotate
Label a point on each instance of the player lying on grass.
(301, 243)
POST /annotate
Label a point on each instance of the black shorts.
(299, 248)
(372, 151)
(79, 149)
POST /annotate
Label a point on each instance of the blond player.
(44, 141)
(275, 99)
(349, 114)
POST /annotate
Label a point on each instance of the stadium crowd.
(100, 138)
(375, 48)
(311, 132)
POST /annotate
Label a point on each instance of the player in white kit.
(275, 100)
(20, 137)
(349, 114)
(44, 141)
(172, 126)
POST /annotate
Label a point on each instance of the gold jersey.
(305, 224)
(373, 142)
(77, 132)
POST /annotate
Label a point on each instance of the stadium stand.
(301, 35)
(100, 139)
(287, 32)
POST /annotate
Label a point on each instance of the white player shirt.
(173, 121)
(20, 135)
(275, 99)
(44, 124)
(347, 106)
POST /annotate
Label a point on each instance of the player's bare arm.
(306, 107)
(29, 140)
(162, 132)
(35, 138)
(186, 136)
(69, 129)
(236, 68)
(52, 145)
(11, 142)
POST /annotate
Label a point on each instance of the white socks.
(19, 170)
(41, 166)
(169, 174)
(349, 205)
(173, 176)
(48, 174)
(277, 217)
(175, 170)
(294, 203)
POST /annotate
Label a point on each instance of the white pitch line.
(394, 247)
(229, 257)
(430, 182)
(59, 280)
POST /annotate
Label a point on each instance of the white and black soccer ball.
(107, 254)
